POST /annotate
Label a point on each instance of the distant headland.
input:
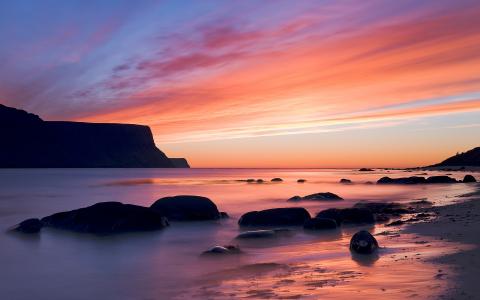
(30, 142)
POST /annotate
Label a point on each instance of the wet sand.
(459, 223)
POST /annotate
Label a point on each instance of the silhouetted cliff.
(29, 142)
(469, 158)
(179, 162)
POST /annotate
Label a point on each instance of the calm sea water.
(167, 264)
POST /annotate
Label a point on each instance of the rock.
(469, 179)
(228, 249)
(28, 226)
(345, 181)
(276, 179)
(368, 182)
(260, 181)
(320, 223)
(441, 179)
(254, 234)
(179, 162)
(402, 180)
(187, 208)
(301, 180)
(250, 180)
(317, 197)
(365, 170)
(348, 215)
(224, 215)
(363, 242)
(421, 203)
(107, 217)
(290, 216)
(389, 208)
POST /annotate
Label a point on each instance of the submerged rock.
(389, 208)
(28, 226)
(250, 180)
(224, 215)
(320, 224)
(263, 233)
(187, 208)
(363, 242)
(365, 170)
(276, 179)
(317, 197)
(469, 179)
(345, 181)
(301, 180)
(348, 215)
(260, 181)
(107, 217)
(228, 249)
(290, 216)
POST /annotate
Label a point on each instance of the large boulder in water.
(317, 197)
(348, 215)
(227, 249)
(469, 179)
(28, 226)
(289, 216)
(187, 208)
(107, 217)
(441, 179)
(363, 242)
(320, 224)
(402, 180)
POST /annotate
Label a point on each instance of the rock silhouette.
(187, 208)
(289, 216)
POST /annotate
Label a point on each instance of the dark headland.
(27, 141)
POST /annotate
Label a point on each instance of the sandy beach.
(459, 223)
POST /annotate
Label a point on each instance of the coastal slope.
(30, 142)
(465, 159)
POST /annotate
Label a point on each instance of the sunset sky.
(256, 83)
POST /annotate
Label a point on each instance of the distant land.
(27, 141)
(467, 161)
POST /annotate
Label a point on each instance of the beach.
(460, 223)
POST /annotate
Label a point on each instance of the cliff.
(29, 142)
(180, 162)
(469, 158)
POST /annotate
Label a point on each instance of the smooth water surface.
(167, 264)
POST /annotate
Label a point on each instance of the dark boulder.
(276, 179)
(441, 179)
(348, 215)
(402, 180)
(224, 215)
(260, 181)
(290, 216)
(28, 226)
(469, 179)
(187, 208)
(363, 242)
(228, 249)
(317, 197)
(365, 170)
(320, 224)
(250, 180)
(345, 181)
(107, 217)
(301, 180)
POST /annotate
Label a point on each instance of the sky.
(255, 83)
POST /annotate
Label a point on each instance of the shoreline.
(460, 223)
